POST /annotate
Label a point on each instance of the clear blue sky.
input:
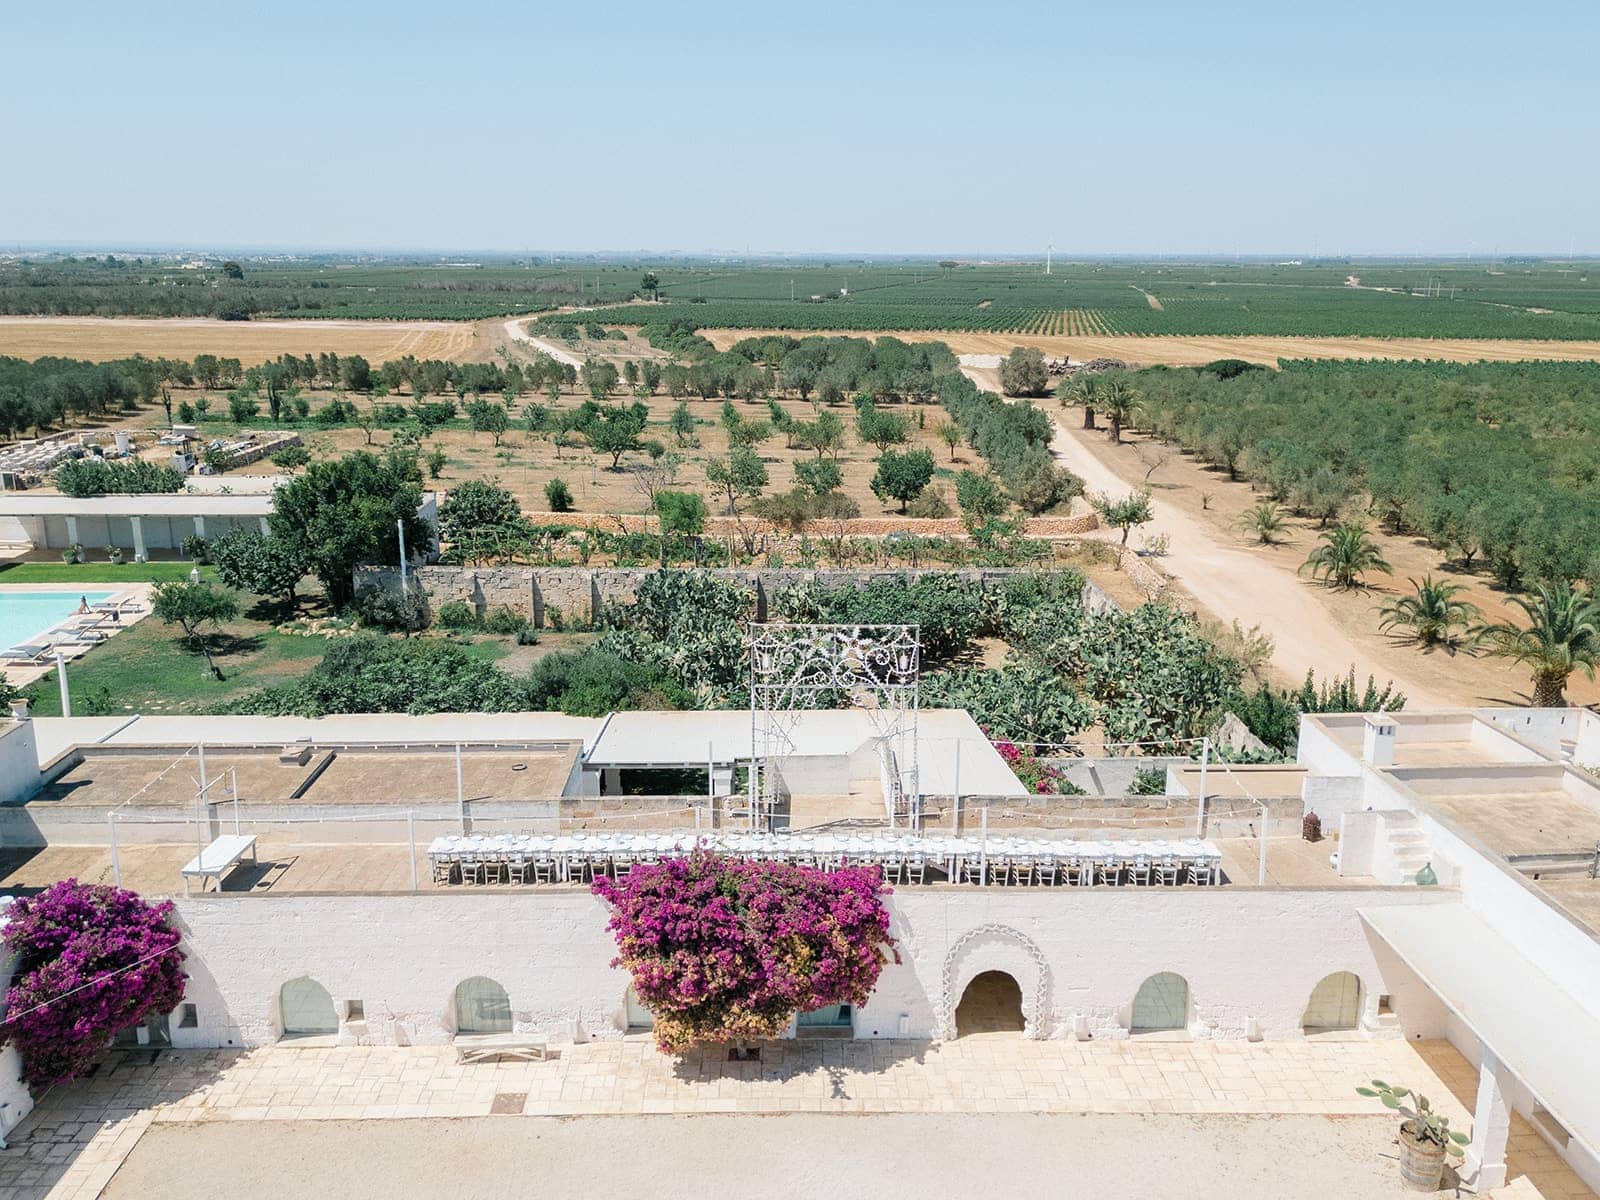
(1165, 126)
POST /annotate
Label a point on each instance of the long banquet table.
(524, 858)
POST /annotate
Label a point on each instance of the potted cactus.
(1425, 1135)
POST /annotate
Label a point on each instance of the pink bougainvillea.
(90, 961)
(726, 950)
(1038, 776)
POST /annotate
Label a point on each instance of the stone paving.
(78, 1136)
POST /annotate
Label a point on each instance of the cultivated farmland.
(103, 339)
(1530, 302)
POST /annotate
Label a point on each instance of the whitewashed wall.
(1251, 958)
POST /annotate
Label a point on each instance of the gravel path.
(880, 1157)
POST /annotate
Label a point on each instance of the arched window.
(1162, 1003)
(639, 1017)
(991, 1003)
(1335, 1004)
(306, 1009)
(482, 1006)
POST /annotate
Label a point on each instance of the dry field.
(1192, 351)
(251, 342)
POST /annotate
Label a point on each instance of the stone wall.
(568, 596)
(1079, 955)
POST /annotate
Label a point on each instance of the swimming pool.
(25, 615)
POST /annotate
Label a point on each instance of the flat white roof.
(62, 732)
(1548, 1040)
(167, 504)
(645, 739)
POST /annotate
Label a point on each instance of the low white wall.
(1079, 957)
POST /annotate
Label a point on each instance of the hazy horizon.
(1423, 131)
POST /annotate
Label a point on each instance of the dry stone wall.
(576, 596)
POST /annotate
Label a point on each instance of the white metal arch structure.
(871, 668)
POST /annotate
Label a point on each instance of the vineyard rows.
(1337, 299)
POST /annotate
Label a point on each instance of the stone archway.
(1002, 949)
(991, 1003)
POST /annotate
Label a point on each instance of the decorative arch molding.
(995, 947)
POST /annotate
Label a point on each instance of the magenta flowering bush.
(1039, 777)
(726, 950)
(98, 960)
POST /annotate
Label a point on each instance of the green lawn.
(148, 668)
(74, 574)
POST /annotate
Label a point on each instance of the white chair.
(1167, 871)
(576, 867)
(473, 869)
(1044, 869)
(916, 869)
(443, 869)
(1139, 871)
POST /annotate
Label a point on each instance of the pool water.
(26, 615)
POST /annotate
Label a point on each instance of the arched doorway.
(991, 1003)
(1161, 1004)
(482, 1006)
(306, 1010)
(1335, 1004)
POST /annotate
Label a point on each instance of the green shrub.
(459, 615)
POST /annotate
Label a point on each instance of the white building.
(32, 522)
(334, 937)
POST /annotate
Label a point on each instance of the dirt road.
(517, 331)
(1228, 580)
(1235, 585)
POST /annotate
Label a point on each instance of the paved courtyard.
(78, 1136)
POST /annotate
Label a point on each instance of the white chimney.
(1377, 740)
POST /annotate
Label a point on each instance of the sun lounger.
(33, 652)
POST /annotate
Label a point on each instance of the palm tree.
(1263, 521)
(1083, 388)
(1563, 636)
(1347, 552)
(1431, 614)
(1119, 402)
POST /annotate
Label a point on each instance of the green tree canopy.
(346, 513)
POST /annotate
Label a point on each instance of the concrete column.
(611, 781)
(265, 528)
(72, 531)
(199, 526)
(1491, 1126)
(138, 540)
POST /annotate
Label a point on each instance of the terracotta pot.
(1421, 1163)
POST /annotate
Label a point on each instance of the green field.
(1455, 299)
(1430, 300)
(148, 667)
(98, 572)
(329, 288)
